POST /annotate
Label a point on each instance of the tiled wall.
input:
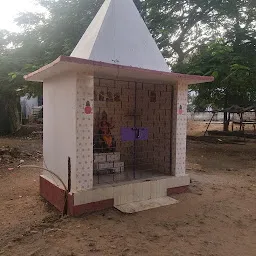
(84, 132)
(154, 102)
(153, 111)
(179, 129)
(117, 99)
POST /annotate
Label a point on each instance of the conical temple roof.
(118, 35)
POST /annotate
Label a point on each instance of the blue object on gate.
(134, 133)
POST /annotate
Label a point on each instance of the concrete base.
(108, 196)
(53, 194)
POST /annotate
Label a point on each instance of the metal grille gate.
(132, 130)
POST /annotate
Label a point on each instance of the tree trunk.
(226, 119)
(226, 122)
(9, 113)
(177, 48)
(14, 114)
(237, 28)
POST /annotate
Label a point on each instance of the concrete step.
(146, 205)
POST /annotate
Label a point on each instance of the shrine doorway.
(132, 130)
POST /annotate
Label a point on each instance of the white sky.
(9, 9)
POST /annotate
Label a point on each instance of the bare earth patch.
(217, 217)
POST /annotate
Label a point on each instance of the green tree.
(234, 77)
(43, 39)
(180, 27)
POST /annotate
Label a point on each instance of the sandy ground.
(216, 218)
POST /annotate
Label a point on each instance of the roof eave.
(45, 72)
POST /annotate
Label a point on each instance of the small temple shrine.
(115, 119)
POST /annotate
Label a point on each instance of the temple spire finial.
(119, 35)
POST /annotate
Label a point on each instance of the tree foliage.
(234, 77)
(44, 38)
(180, 27)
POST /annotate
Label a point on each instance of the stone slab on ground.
(146, 205)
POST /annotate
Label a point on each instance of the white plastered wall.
(179, 129)
(59, 141)
(68, 130)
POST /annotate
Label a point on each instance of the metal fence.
(132, 130)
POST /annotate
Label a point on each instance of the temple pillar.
(179, 129)
(84, 132)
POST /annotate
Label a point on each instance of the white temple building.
(115, 119)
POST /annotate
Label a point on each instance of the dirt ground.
(216, 218)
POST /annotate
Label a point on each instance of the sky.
(9, 9)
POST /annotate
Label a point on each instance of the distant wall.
(219, 117)
(205, 116)
(249, 116)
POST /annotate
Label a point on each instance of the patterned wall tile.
(179, 129)
(84, 129)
